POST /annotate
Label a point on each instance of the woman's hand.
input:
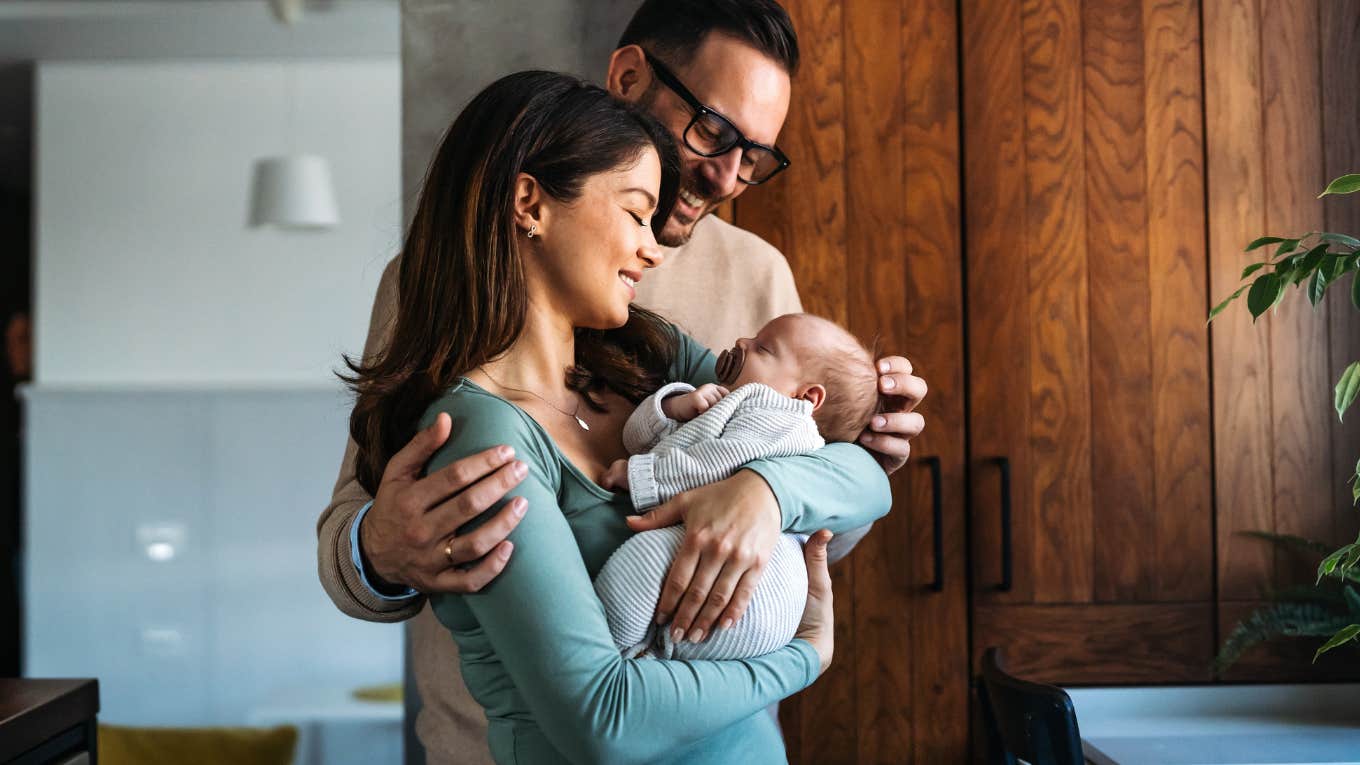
(889, 434)
(818, 626)
(731, 528)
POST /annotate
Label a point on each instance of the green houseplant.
(1314, 262)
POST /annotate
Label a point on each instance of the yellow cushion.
(387, 693)
(120, 745)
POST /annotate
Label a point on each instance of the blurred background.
(174, 306)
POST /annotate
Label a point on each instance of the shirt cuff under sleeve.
(358, 559)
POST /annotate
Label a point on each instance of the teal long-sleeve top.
(535, 646)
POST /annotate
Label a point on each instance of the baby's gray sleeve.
(648, 424)
(750, 423)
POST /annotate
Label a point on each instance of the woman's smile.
(630, 280)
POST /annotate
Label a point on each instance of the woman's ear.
(629, 75)
(814, 393)
(528, 210)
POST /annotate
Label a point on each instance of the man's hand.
(404, 535)
(684, 407)
(818, 625)
(731, 528)
(889, 434)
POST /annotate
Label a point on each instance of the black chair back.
(1033, 722)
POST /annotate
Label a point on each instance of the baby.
(801, 382)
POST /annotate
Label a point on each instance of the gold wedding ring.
(448, 551)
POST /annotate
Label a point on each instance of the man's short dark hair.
(673, 29)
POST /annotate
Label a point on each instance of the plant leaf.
(1219, 308)
(1346, 635)
(1334, 265)
(1355, 290)
(1289, 541)
(1352, 599)
(1286, 245)
(1263, 241)
(1345, 239)
(1265, 291)
(1251, 269)
(1346, 184)
(1317, 287)
(1346, 388)
(1328, 564)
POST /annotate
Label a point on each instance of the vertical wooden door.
(1088, 354)
(1282, 87)
(869, 218)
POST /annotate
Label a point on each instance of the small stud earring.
(533, 229)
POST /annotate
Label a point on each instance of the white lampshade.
(293, 192)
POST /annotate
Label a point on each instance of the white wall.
(146, 270)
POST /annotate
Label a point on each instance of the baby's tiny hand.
(687, 406)
(616, 477)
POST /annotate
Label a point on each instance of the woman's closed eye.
(639, 219)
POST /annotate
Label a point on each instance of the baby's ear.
(814, 393)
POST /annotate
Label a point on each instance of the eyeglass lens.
(710, 134)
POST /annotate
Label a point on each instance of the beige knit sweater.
(723, 284)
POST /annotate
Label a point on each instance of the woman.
(515, 319)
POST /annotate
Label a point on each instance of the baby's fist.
(687, 406)
(616, 477)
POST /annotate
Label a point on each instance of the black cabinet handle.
(1006, 562)
(937, 514)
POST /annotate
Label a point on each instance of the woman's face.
(596, 247)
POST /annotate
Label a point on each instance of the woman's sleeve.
(549, 631)
(838, 487)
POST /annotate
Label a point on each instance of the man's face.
(744, 85)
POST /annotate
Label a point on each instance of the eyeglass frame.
(668, 78)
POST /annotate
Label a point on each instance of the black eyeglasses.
(709, 134)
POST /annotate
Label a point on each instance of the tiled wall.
(233, 481)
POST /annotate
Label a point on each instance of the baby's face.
(775, 356)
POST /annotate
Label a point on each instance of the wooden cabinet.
(868, 215)
(1282, 109)
(1088, 353)
(1038, 201)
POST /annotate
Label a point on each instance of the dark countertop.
(33, 711)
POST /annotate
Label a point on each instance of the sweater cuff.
(642, 481)
(357, 558)
(649, 424)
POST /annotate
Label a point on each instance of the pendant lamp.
(292, 191)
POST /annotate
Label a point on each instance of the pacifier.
(729, 365)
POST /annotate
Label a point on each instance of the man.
(717, 73)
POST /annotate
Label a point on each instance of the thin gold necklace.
(574, 414)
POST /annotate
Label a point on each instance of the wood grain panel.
(805, 217)
(1241, 353)
(938, 727)
(1182, 457)
(1101, 644)
(1055, 236)
(1340, 71)
(998, 297)
(876, 246)
(1122, 466)
(1300, 391)
(802, 212)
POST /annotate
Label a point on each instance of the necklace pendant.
(582, 423)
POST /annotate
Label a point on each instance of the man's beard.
(699, 186)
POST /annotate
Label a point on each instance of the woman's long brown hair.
(462, 294)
